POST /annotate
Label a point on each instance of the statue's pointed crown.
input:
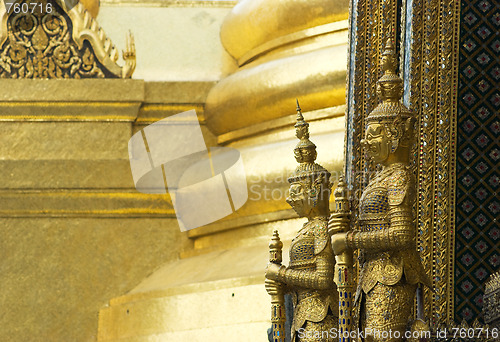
(389, 89)
(305, 152)
(302, 133)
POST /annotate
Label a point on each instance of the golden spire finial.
(299, 112)
(389, 89)
(341, 189)
(341, 197)
(388, 63)
(275, 247)
(305, 151)
(301, 127)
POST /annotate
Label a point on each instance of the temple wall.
(75, 232)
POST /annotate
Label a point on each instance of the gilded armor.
(386, 233)
(310, 274)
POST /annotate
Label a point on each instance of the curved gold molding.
(259, 22)
(84, 203)
(268, 91)
(294, 39)
(280, 123)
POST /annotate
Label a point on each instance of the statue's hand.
(272, 287)
(339, 244)
(272, 271)
(129, 57)
(338, 223)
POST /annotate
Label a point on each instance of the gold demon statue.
(385, 233)
(309, 277)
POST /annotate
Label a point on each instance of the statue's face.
(299, 199)
(376, 143)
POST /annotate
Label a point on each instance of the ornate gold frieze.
(54, 41)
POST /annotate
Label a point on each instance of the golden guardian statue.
(309, 276)
(385, 233)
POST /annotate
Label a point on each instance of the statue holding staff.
(309, 276)
(385, 234)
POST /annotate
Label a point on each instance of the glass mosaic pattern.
(478, 155)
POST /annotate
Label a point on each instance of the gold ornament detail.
(433, 83)
(54, 42)
(344, 272)
(309, 276)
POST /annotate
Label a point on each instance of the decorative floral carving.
(39, 43)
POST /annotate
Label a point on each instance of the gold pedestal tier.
(283, 51)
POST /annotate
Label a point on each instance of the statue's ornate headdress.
(305, 154)
(390, 91)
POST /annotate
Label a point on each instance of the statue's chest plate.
(302, 251)
(374, 206)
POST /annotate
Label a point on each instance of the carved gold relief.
(491, 307)
(50, 41)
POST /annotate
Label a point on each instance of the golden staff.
(278, 314)
(343, 276)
